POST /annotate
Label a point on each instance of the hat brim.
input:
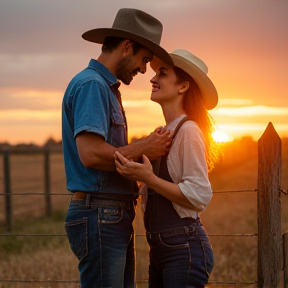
(98, 36)
(207, 89)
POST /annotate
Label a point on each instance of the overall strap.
(179, 126)
(156, 163)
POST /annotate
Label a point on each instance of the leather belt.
(79, 196)
(96, 201)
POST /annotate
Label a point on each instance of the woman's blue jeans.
(101, 236)
(180, 257)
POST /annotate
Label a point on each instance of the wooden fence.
(269, 209)
(272, 246)
(46, 152)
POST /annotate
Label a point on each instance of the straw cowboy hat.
(134, 25)
(198, 70)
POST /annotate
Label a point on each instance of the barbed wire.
(232, 283)
(37, 281)
(220, 235)
(236, 191)
(137, 281)
(32, 193)
(33, 235)
(61, 235)
(70, 194)
(283, 191)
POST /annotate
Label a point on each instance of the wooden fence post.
(7, 189)
(47, 181)
(285, 258)
(269, 209)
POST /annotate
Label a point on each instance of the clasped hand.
(142, 172)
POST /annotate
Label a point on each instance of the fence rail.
(272, 246)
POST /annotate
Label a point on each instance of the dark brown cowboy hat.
(134, 25)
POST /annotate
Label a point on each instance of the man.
(101, 212)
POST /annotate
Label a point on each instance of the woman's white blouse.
(187, 166)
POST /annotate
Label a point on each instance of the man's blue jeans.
(180, 257)
(101, 235)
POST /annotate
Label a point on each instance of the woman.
(179, 188)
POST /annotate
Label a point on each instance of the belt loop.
(186, 229)
(88, 202)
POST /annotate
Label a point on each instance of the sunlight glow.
(220, 136)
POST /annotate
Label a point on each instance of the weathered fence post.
(47, 181)
(269, 209)
(285, 258)
(7, 189)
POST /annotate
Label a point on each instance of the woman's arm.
(187, 165)
(144, 173)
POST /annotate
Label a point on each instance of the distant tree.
(238, 151)
(5, 146)
(51, 142)
(134, 139)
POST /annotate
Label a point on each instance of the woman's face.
(165, 88)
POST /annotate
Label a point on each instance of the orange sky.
(243, 42)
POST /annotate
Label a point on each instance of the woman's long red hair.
(196, 111)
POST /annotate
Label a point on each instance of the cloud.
(234, 102)
(40, 71)
(252, 111)
(23, 116)
(32, 26)
(33, 100)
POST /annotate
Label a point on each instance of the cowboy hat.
(198, 70)
(134, 25)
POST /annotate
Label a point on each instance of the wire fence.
(268, 193)
(138, 281)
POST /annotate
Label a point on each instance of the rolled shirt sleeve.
(91, 108)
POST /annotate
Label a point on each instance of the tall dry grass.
(50, 258)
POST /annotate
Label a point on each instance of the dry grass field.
(48, 258)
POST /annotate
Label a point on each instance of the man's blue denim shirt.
(90, 105)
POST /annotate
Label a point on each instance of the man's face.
(130, 65)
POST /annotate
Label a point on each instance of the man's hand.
(153, 146)
(157, 145)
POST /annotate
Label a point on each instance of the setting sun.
(220, 136)
(34, 74)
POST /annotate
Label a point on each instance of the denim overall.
(180, 251)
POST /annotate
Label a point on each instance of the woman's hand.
(142, 172)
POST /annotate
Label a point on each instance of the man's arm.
(153, 146)
(95, 153)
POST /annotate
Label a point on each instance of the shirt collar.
(103, 71)
(172, 125)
